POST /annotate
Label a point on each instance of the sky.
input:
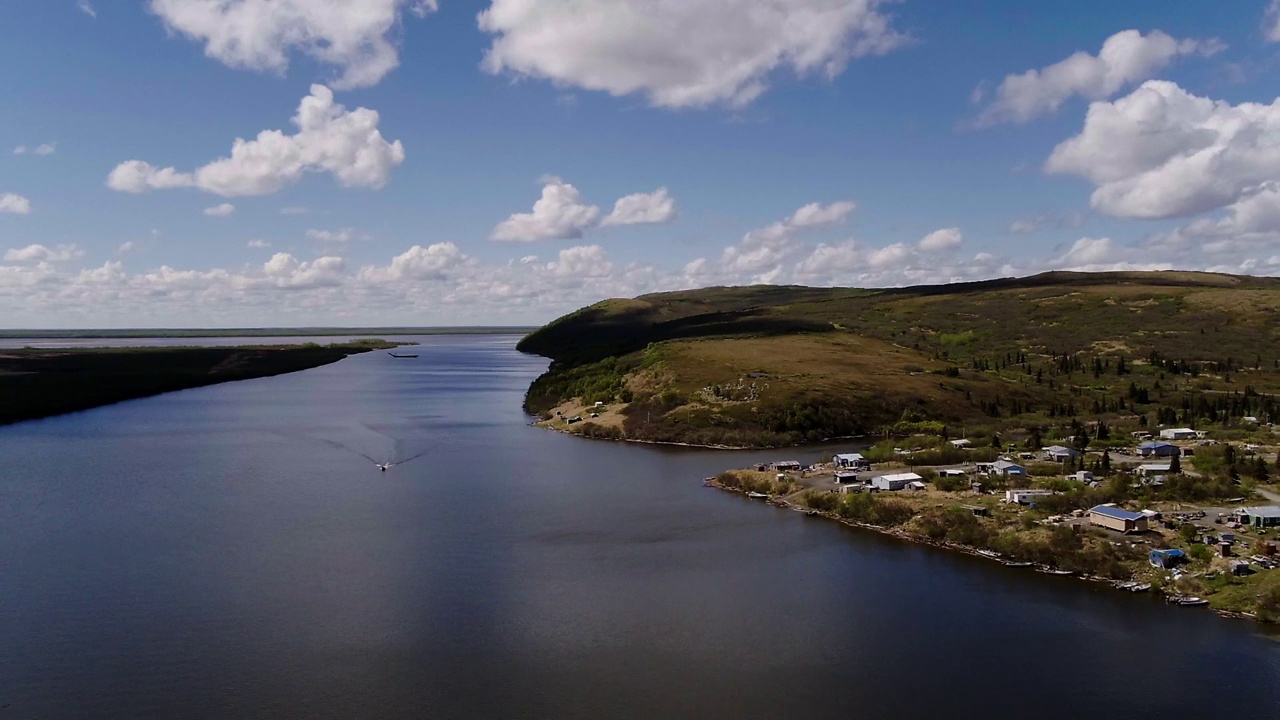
(249, 163)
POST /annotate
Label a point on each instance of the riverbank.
(45, 383)
(982, 526)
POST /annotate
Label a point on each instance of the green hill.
(770, 365)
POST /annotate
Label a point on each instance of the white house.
(1177, 434)
(1147, 469)
(896, 481)
(852, 461)
(1025, 496)
(1006, 468)
(1058, 453)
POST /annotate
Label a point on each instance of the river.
(232, 551)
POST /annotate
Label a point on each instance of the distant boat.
(403, 355)
(1192, 601)
(1053, 571)
(1139, 587)
(756, 495)
(1015, 563)
(989, 554)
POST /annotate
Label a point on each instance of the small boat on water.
(1053, 571)
(1192, 601)
(1139, 587)
(756, 495)
(989, 554)
(1016, 563)
(403, 356)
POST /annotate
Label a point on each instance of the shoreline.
(543, 424)
(781, 502)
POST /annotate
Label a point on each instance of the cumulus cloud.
(643, 209)
(433, 262)
(559, 214)
(346, 144)
(680, 53)
(353, 37)
(48, 148)
(588, 261)
(40, 253)
(941, 240)
(286, 271)
(818, 215)
(15, 204)
(1162, 152)
(1125, 58)
(761, 252)
(222, 210)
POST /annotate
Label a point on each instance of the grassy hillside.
(776, 365)
(42, 383)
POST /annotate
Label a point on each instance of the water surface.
(232, 551)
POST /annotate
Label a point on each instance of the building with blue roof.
(1157, 448)
(1118, 519)
(1166, 558)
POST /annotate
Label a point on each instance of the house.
(1025, 496)
(846, 477)
(852, 461)
(1058, 453)
(896, 481)
(1114, 518)
(916, 485)
(961, 443)
(1006, 468)
(1153, 469)
(1178, 434)
(1166, 558)
(1266, 516)
(1158, 448)
(787, 466)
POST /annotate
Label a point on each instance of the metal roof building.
(1118, 519)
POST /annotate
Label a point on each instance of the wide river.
(233, 552)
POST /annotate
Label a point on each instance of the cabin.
(1178, 434)
(916, 485)
(846, 477)
(1058, 453)
(1118, 519)
(1165, 559)
(1265, 516)
(852, 461)
(1158, 448)
(896, 481)
(787, 466)
(1025, 496)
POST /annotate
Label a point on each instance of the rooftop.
(1154, 444)
(1262, 511)
(1114, 512)
(905, 477)
(1170, 552)
(850, 456)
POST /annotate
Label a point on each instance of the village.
(1126, 521)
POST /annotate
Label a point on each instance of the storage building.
(896, 481)
(1120, 520)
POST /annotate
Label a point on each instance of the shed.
(1178, 434)
(845, 477)
(896, 481)
(1118, 519)
(852, 461)
(916, 485)
(1158, 448)
(1083, 476)
(1166, 558)
(1149, 469)
(952, 472)
(787, 465)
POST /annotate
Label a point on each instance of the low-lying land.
(1045, 355)
(260, 332)
(42, 383)
(959, 506)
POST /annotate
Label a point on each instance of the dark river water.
(231, 552)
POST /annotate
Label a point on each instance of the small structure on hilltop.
(1166, 558)
(1005, 468)
(1025, 496)
(895, 481)
(1058, 453)
(1118, 519)
(787, 466)
(1158, 448)
(846, 477)
(1265, 516)
(852, 461)
(1178, 434)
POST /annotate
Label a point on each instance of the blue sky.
(846, 142)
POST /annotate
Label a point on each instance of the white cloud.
(15, 204)
(643, 209)
(433, 262)
(336, 237)
(40, 253)
(680, 53)
(286, 271)
(1125, 58)
(126, 247)
(87, 8)
(48, 148)
(1161, 152)
(352, 36)
(588, 261)
(346, 144)
(760, 254)
(941, 240)
(1088, 251)
(1271, 20)
(818, 215)
(295, 210)
(258, 244)
(222, 210)
(559, 214)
